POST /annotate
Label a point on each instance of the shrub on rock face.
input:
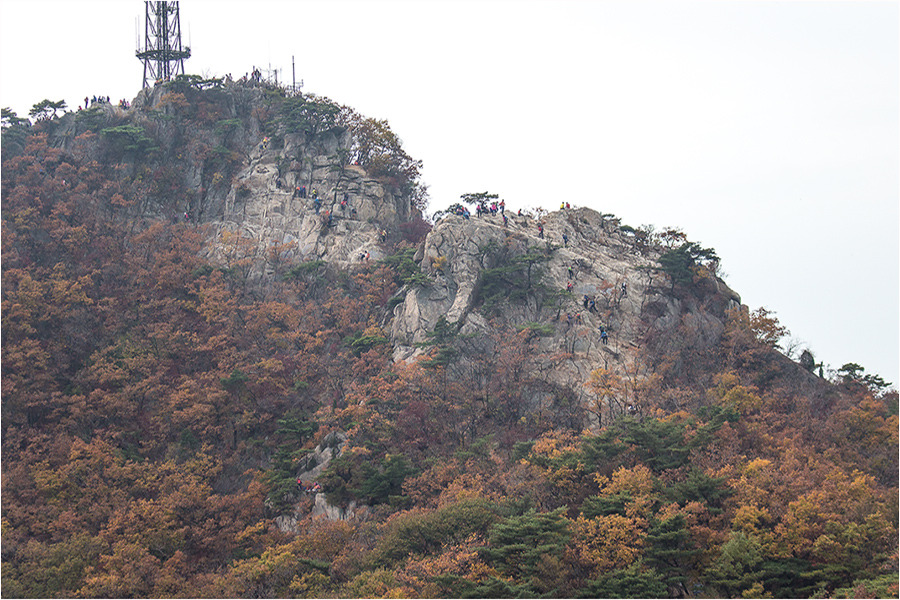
(681, 263)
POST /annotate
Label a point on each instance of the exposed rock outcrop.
(596, 260)
(264, 205)
(315, 464)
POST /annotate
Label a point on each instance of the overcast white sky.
(766, 130)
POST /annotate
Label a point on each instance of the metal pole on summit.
(163, 55)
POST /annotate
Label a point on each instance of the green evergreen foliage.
(46, 109)
(514, 278)
(129, 139)
(407, 270)
(615, 504)
(854, 374)
(661, 445)
(442, 338)
(383, 481)
(737, 569)
(478, 198)
(600, 450)
(669, 551)
(700, 487)
(635, 581)
(237, 380)
(310, 271)
(424, 534)
(307, 114)
(186, 83)
(14, 133)
(884, 586)
(489, 587)
(680, 263)
(536, 329)
(519, 544)
(367, 481)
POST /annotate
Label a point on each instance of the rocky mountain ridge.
(251, 203)
(598, 262)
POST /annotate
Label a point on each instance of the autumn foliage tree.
(158, 407)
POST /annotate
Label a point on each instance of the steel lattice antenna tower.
(163, 55)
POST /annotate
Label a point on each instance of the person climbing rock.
(624, 289)
(585, 301)
(540, 231)
(569, 287)
(565, 240)
(604, 337)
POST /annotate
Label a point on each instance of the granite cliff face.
(232, 160)
(228, 156)
(264, 205)
(596, 261)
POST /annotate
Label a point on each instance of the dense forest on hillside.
(157, 407)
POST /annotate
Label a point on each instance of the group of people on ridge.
(312, 488)
(123, 103)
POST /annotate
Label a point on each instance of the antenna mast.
(162, 55)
